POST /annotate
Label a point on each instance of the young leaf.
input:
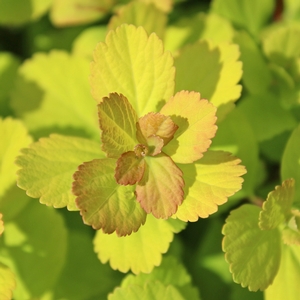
(277, 208)
(161, 189)
(208, 183)
(253, 254)
(117, 121)
(103, 203)
(218, 71)
(196, 119)
(140, 251)
(135, 65)
(14, 136)
(47, 167)
(7, 282)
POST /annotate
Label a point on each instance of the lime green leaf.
(208, 183)
(196, 119)
(47, 82)
(277, 208)
(47, 167)
(163, 5)
(286, 283)
(14, 136)
(291, 10)
(74, 12)
(290, 236)
(153, 290)
(140, 251)
(103, 203)
(117, 121)
(130, 168)
(253, 254)
(155, 124)
(1, 224)
(242, 12)
(131, 63)
(214, 71)
(161, 189)
(7, 282)
(290, 163)
(140, 14)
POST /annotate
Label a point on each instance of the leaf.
(47, 167)
(214, 71)
(290, 236)
(155, 124)
(140, 14)
(286, 283)
(163, 5)
(7, 282)
(253, 254)
(196, 119)
(277, 208)
(1, 224)
(208, 183)
(135, 65)
(130, 168)
(161, 189)
(140, 251)
(14, 136)
(117, 121)
(47, 82)
(103, 203)
(290, 163)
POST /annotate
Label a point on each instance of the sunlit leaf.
(208, 183)
(277, 208)
(291, 236)
(161, 189)
(103, 203)
(214, 71)
(140, 14)
(140, 251)
(14, 136)
(163, 5)
(196, 119)
(253, 254)
(131, 63)
(47, 167)
(117, 121)
(7, 282)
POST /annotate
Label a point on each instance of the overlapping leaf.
(7, 282)
(253, 254)
(196, 119)
(14, 136)
(103, 203)
(140, 251)
(135, 65)
(208, 183)
(47, 167)
(214, 71)
(277, 208)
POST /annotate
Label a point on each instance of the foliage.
(169, 128)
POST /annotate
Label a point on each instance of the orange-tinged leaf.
(161, 189)
(196, 119)
(155, 145)
(117, 121)
(130, 168)
(208, 183)
(103, 203)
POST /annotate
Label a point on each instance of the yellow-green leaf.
(103, 203)
(291, 236)
(131, 63)
(208, 183)
(196, 119)
(1, 224)
(7, 282)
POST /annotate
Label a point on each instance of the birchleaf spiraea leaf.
(103, 203)
(47, 167)
(155, 124)
(290, 236)
(117, 121)
(196, 119)
(208, 183)
(253, 254)
(160, 191)
(140, 251)
(7, 282)
(130, 168)
(135, 65)
(277, 208)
